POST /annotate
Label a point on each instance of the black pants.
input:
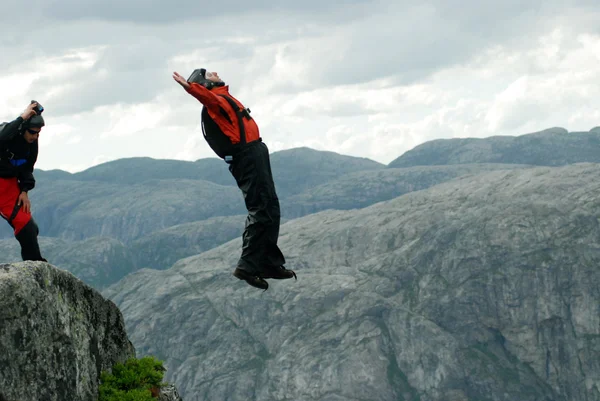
(27, 237)
(251, 169)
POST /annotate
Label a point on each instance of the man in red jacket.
(234, 136)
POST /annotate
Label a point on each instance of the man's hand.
(29, 111)
(181, 80)
(24, 202)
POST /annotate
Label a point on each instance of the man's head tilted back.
(207, 79)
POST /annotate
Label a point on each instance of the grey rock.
(161, 249)
(482, 288)
(364, 188)
(56, 335)
(169, 393)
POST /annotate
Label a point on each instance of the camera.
(39, 108)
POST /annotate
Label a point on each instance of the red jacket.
(218, 107)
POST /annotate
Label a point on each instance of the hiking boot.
(279, 273)
(254, 281)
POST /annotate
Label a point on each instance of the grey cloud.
(132, 69)
(99, 91)
(398, 40)
(125, 74)
(408, 44)
(160, 11)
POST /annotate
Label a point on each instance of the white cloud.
(193, 148)
(371, 80)
(74, 140)
(133, 119)
(55, 132)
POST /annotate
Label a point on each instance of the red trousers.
(26, 230)
(9, 210)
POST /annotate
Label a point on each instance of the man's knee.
(28, 229)
(21, 221)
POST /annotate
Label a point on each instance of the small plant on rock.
(135, 380)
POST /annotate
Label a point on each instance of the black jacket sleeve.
(10, 130)
(26, 179)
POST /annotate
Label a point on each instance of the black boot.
(254, 281)
(279, 273)
(27, 237)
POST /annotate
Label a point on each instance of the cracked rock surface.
(483, 288)
(57, 335)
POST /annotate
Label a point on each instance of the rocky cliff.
(56, 335)
(481, 288)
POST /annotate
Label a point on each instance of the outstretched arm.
(181, 81)
(203, 95)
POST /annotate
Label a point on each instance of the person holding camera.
(234, 136)
(18, 154)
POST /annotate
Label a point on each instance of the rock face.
(482, 288)
(161, 249)
(169, 393)
(56, 335)
(364, 188)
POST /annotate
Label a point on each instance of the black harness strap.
(14, 212)
(240, 115)
(221, 143)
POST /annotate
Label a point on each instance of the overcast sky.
(363, 78)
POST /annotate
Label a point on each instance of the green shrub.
(132, 380)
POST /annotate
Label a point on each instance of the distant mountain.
(296, 170)
(153, 222)
(481, 288)
(160, 249)
(76, 210)
(130, 198)
(551, 147)
(160, 221)
(137, 170)
(364, 188)
(52, 175)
